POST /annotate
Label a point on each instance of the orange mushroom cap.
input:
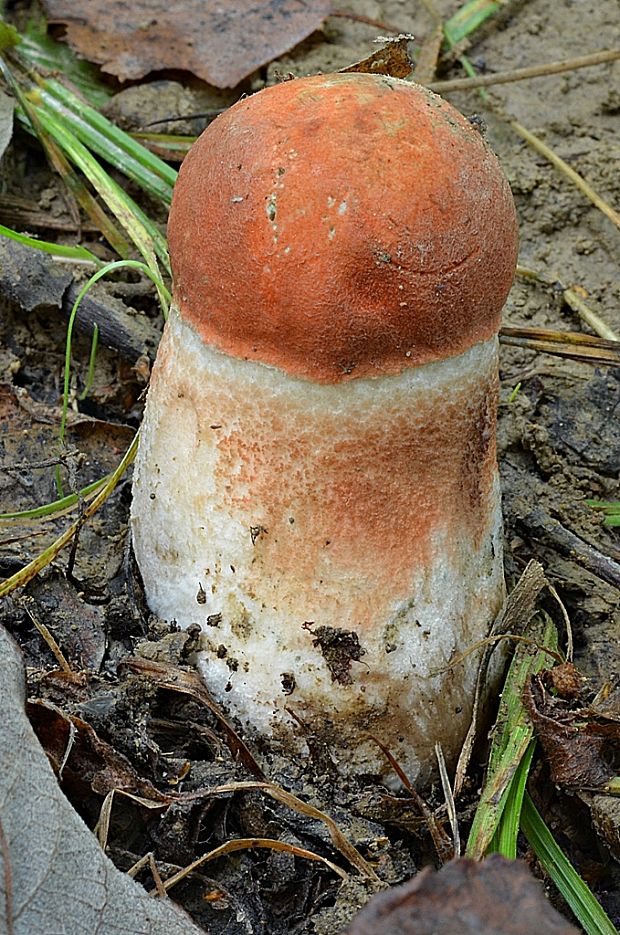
(342, 226)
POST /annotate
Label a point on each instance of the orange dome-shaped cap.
(342, 226)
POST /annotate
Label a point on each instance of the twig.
(449, 797)
(521, 74)
(543, 526)
(441, 841)
(186, 682)
(567, 624)
(536, 143)
(367, 20)
(304, 808)
(51, 642)
(240, 844)
(574, 300)
(572, 345)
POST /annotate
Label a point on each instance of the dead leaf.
(51, 866)
(392, 59)
(492, 897)
(222, 43)
(84, 761)
(73, 629)
(605, 812)
(29, 453)
(578, 745)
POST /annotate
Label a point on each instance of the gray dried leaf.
(53, 874)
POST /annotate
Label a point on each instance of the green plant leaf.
(144, 232)
(9, 36)
(589, 912)
(512, 737)
(109, 141)
(468, 18)
(34, 567)
(55, 508)
(56, 249)
(108, 268)
(609, 508)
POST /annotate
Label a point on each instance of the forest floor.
(558, 446)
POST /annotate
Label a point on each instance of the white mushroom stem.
(340, 545)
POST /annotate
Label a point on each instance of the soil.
(559, 445)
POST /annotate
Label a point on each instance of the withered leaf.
(466, 896)
(83, 759)
(579, 746)
(391, 59)
(222, 43)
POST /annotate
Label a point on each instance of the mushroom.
(316, 483)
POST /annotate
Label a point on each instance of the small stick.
(574, 300)
(51, 642)
(583, 186)
(367, 20)
(574, 346)
(543, 526)
(450, 805)
(521, 74)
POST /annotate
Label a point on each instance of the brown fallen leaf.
(605, 812)
(391, 59)
(492, 897)
(579, 743)
(222, 43)
(84, 761)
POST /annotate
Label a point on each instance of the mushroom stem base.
(340, 545)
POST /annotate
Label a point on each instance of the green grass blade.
(468, 18)
(108, 268)
(110, 142)
(33, 568)
(172, 145)
(55, 508)
(589, 912)
(111, 131)
(457, 27)
(609, 508)
(142, 231)
(56, 249)
(28, 115)
(504, 840)
(511, 739)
